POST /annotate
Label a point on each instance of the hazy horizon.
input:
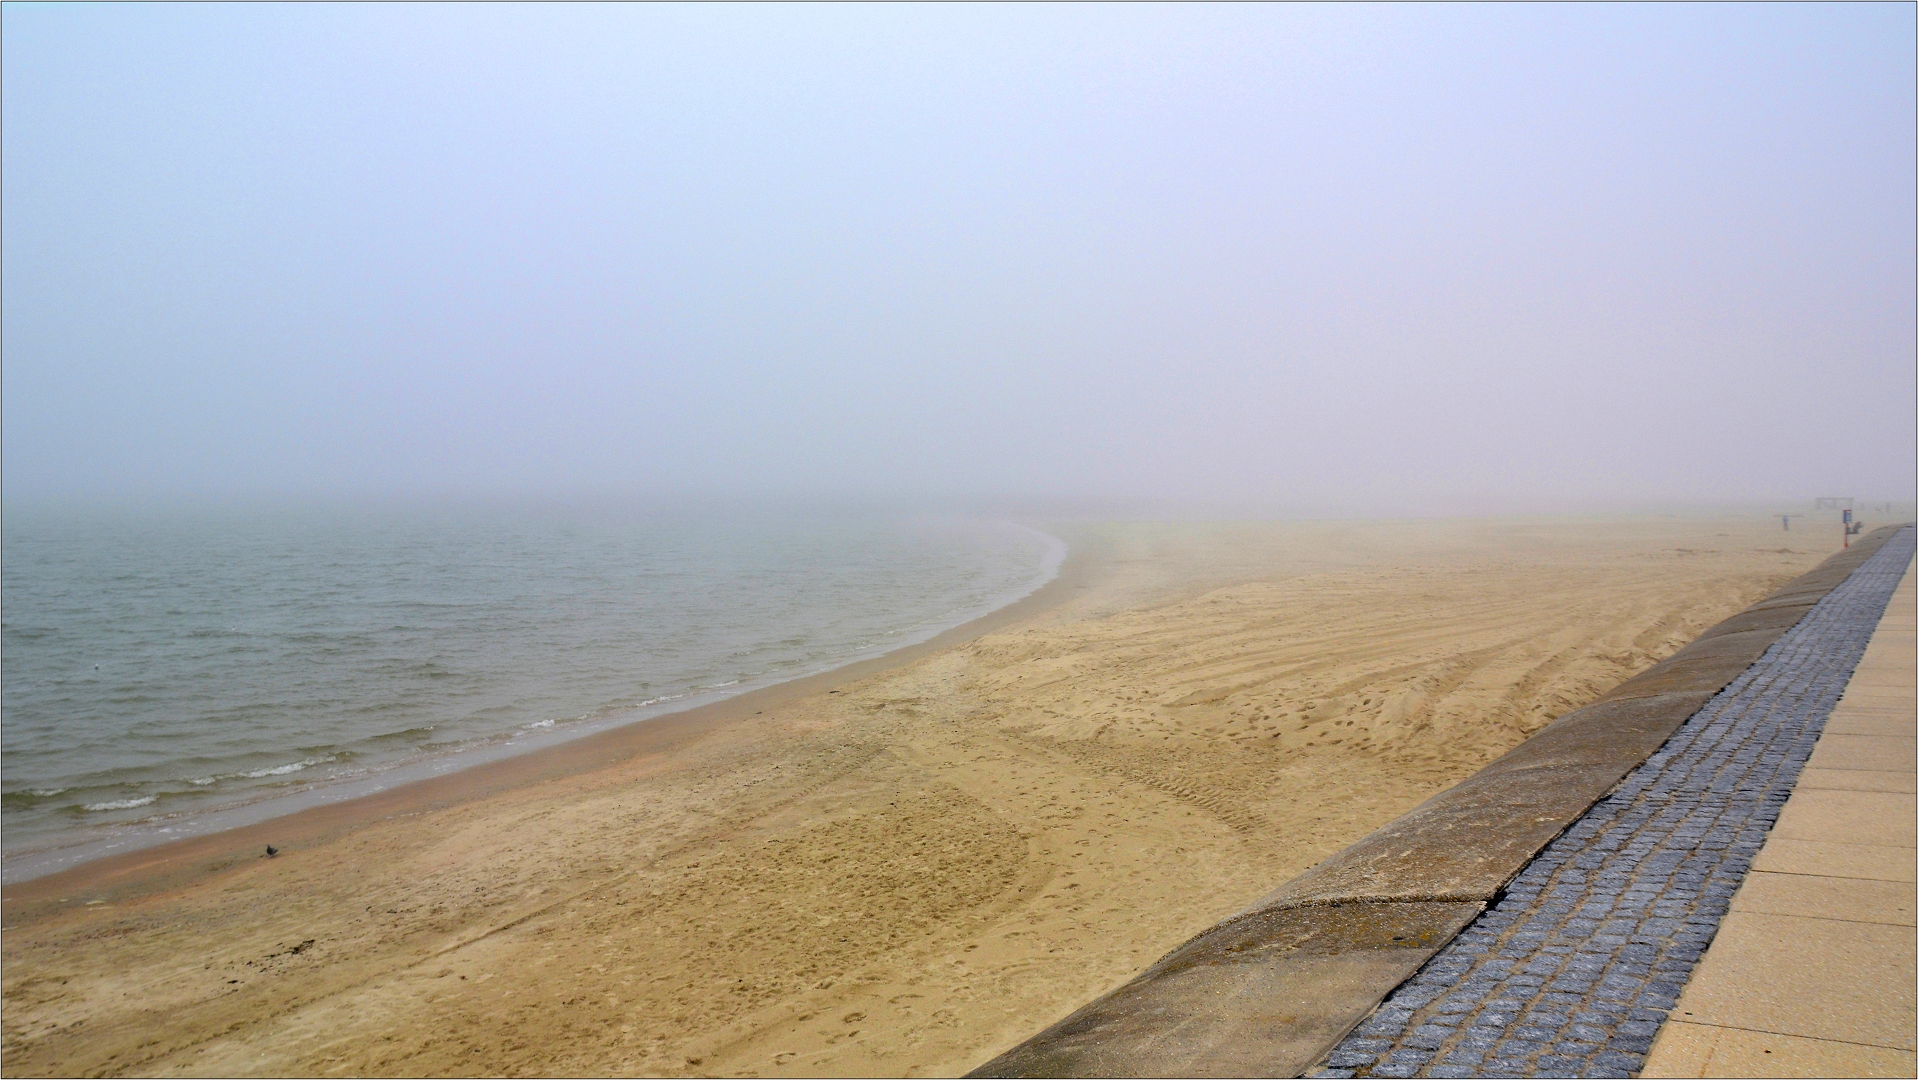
(1406, 257)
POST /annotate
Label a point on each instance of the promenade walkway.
(1813, 970)
(1577, 966)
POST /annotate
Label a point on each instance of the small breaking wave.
(121, 804)
(283, 770)
(29, 797)
(261, 774)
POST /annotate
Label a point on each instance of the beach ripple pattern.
(1573, 970)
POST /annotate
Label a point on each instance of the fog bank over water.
(1408, 258)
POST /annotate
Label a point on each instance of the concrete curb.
(1268, 991)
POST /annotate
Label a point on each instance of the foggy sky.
(1224, 253)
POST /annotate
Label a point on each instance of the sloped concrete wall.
(1271, 989)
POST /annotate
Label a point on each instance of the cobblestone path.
(1573, 969)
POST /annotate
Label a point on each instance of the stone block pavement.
(1815, 970)
(1574, 969)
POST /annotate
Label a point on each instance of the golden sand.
(911, 870)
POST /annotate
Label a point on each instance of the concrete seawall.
(1271, 989)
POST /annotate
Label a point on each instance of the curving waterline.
(152, 832)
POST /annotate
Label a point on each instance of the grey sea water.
(164, 672)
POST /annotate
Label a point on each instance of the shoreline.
(897, 873)
(46, 855)
(167, 863)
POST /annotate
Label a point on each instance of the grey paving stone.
(1561, 1001)
(1573, 969)
(1576, 1048)
(1623, 1064)
(1518, 1049)
(1414, 997)
(1636, 1044)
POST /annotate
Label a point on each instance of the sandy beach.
(901, 868)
